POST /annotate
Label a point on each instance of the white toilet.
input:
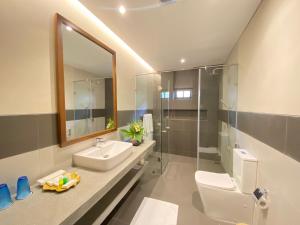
(228, 199)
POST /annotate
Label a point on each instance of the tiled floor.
(176, 185)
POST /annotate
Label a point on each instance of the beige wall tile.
(280, 175)
(26, 164)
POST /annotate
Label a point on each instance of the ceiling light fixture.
(122, 10)
(68, 28)
(182, 61)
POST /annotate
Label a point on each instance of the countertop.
(50, 208)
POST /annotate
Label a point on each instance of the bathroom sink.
(103, 157)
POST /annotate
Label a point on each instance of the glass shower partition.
(217, 117)
(82, 106)
(164, 99)
(149, 100)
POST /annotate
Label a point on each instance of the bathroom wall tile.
(270, 129)
(24, 133)
(279, 174)
(70, 114)
(26, 164)
(18, 134)
(267, 128)
(292, 147)
(47, 130)
(232, 118)
(184, 113)
(124, 117)
(46, 160)
(245, 122)
(82, 114)
(223, 115)
(99, 113)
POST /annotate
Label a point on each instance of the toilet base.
(229, 207)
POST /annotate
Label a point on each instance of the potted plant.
(135, 132)
(110, 124)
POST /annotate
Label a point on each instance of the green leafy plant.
(110, 124)
(135, 132)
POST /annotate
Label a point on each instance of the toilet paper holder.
(261, 197)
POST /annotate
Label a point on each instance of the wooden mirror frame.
(60, 21)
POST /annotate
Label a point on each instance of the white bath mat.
(155, 212)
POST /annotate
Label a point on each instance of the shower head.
(216, 69)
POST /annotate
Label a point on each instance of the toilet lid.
(216, 180)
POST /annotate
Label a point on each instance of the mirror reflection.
(88, 83)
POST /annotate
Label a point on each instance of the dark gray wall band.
(281, 132)
(80, 114)
(125, 117)
(109, 101)
(228, 116)
(24, 133)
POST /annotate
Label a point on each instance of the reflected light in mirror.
(68, 28)
(106, 29)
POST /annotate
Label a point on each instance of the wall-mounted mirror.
(86, 80)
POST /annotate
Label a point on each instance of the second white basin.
(104, 157)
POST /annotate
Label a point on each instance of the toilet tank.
(244, 170)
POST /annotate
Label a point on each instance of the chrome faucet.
(99, 141)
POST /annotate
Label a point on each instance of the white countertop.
(50, 208)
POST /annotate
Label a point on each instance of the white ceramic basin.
(103, 157)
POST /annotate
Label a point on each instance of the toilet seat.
(215, 180)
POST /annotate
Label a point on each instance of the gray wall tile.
(24, 133)
(80, 114)
(232, 118)
(18, 134)
(124, 117)
(292, 146)
(47, 130)
(268, 128)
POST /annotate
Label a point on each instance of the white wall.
(27, 58)
(268, 55)
(27, 63)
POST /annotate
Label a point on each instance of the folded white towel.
(155, 212)
(148, 123)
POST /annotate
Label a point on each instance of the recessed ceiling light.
(68, 28)
(122, 10)
(182, 61)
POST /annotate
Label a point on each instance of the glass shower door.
(82, 107)
(148, 100)
(208, 157)
(217, 118)
(165, 96)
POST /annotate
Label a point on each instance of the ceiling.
(201, 31)
(81, 53)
